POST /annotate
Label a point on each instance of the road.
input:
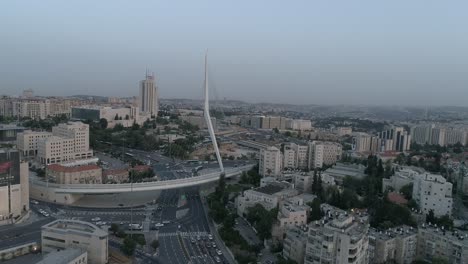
(185, 239)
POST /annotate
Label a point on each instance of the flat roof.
(269, 189)
(75, 226)
(62, 256)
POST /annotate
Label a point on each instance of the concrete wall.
(48, 194)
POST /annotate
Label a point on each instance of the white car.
(219, 252)
(34, 202)
(159, 225)
(217, 259)
(95, 219)
(210, 237)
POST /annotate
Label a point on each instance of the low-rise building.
(403, 176)
(294, 244)
(342, 170)
(87, 174)
(397, 244)
(67, 256)
(125, 116)
(63, 234)
(262, 195)
(115, 176)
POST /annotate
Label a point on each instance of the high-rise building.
(149, 97)
(323, 153)
(454, 136)
(421, 134)
(438, 136)
(270, 162)
(14, 186)
(395, 139)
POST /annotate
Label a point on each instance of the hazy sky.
(303, 52)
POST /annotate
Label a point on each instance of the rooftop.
(74, 226)
(62, 256)
(269, 189)
(401, 231)
(60, 168)
(396, 198)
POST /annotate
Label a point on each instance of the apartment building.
(396, 245)
(295, 156)
(433, 192)
(270, 163)
(343, 131)
(323, 153)
(34, 108)
(434, 242)
(65, 233)
(28, 141)
(342, 238)
(294, 244)
(69, 141)
(299, 124)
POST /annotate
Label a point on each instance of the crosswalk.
(183, 234)
(82, 213)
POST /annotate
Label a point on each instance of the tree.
(128, 246)
(315, 210)
(276, 130)
(430, 217)
(114, 228)
(407, 191)
(103, 123)
(155, 244)
(127, 117)
(116, 117)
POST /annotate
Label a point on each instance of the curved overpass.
(144, 186)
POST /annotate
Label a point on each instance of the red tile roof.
(60, 168)
(397, 198)
(114, 172)
(141, 168)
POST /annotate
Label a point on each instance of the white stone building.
(69, 142)
(342, 238)
(63, 234)
(433, 192)
(294, 244)
(397, 244)
(323, 153)
(434, 242)
(270, 162)
(28, 142)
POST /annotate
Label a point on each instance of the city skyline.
(302, 54)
